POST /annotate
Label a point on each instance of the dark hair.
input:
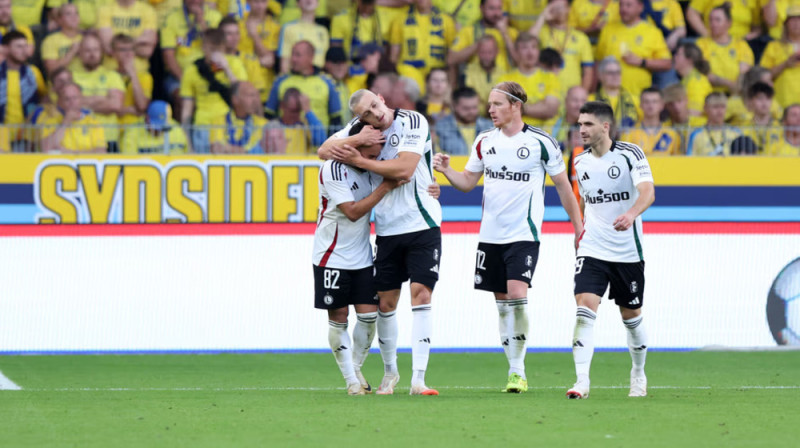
(290, 92)
(715, 96)
(120, 38)
(58, 71)
(726, 9)
(550, 58)
(599, 109)
(228, 20)
(214, 36)
(463, 92)
(11, 36)
(652, 89)
(357, 127)
(761, 87)
(694, 54)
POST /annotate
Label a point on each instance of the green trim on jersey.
(630, 167)
(544, 155)
(431, 223)
(638, 243)
(530, 221)
(428, 162)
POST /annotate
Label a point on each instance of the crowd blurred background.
(701, 77)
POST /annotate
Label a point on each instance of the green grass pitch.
(696, 399)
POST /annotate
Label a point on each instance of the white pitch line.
(320, 389)
(7, 384)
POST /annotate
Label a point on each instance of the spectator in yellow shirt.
(303, 29)
(493, 23)
(465, 12)
(638, 45)
(29, 12)
(775, 13)
(715, 138)
(522, 14)
(60, 49)
(483, 74)
(676, 103)
(692, 69)
(259, 41)
(241, 130)
(21, 86)
(613, 93)
(337, 67)
(356, 26)
(103, 89)
(133, 18)
(543, 88)
(7, 23)
(297, 130)
(420, 41)
(435, 104)
(789, 146)
(367, 66)
(138, 84)
(782, 57)
(70, 128)
(728, 56)
(155, 133)
(205, 87)
(650, 134)
(590, 16)
(568, 121)
(763, 129)
(554, 31)
(738, 110)
(745, 17)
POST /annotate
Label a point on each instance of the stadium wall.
(249, 287)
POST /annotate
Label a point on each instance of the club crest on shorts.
(328, 299)
(478, 279)
(394, 140)
(634, 287)
(614, 172)
(436, 254)
(523, 153)
(529, 261)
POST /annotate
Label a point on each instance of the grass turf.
(695, 399)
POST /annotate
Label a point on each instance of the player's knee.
(420, 294)
(628, 313)
(338, 315)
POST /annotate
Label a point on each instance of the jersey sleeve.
(552, 160)
(415, 134)
(334, 177)
(641, 171)
(475, 162)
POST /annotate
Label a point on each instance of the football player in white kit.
(513, 158)
(343, 262)
(616, 187)
(407, 223)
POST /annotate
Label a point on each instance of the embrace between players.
(383, 159)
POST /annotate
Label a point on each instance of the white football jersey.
(608, 188)
(408, 208)
(338, 242)
(513, 182)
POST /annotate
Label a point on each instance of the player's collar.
(613, 145)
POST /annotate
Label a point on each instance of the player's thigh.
(591, 276)
(520, 259)
(390, 270)
(423, 253)
(490, 270)
(627, 285)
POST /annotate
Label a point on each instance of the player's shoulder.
(537, 134)
(629, 149)
(411, 119)
(333, 170)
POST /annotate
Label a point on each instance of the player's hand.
(578, 235)
(631, 59)
(370, 136)
(623, 222)
(441, 162)
(346, 154)
(219, 59)
(502, 24)
(434, 190)
(252, 27)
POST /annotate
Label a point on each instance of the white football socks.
(513, 318)
(583, 342)
(363, 333)
(421, 329)
(637, 344)
(339, 340)
(387, 340)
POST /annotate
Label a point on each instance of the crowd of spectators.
(701, 77)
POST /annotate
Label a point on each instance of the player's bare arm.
(463, 181)
(402, 167)
(367, 137)
(647, 195)
(356, 209)
(564, 189)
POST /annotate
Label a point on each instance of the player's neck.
(762, 119)
(513, 127)
(126, 3)
(603, 146)
(722, 39)
(308, 17)
(611, 91)
(651, 122)
(528, 70)
(11, 65)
